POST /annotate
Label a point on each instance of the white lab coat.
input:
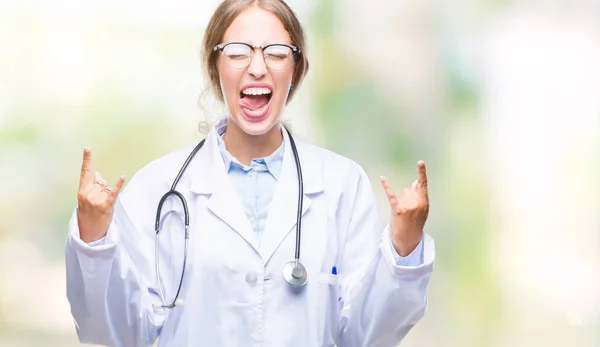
(233, 289)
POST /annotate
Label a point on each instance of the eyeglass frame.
(221, 46)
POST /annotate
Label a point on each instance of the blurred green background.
(500, 98)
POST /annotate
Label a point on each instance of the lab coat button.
(251, 278)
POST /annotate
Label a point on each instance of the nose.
(257, 67)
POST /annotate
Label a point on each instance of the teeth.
(256, 91)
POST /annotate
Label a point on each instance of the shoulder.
(326, 156)
(156, 177)
(334, 168)
(167, 165)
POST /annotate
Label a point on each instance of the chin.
(255, 126)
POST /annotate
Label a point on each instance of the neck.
(245, 147)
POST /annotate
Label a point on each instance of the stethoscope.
(294, 273)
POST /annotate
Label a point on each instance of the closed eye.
(277, 56)
(237, 56)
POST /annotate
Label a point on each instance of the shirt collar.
(271, 163)
(208, 170)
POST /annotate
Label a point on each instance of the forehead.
(257, 27)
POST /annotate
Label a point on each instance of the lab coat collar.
(210, 178)
(210, 164)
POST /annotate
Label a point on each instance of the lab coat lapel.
(224, 202)
(281, 219)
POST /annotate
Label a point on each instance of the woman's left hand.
(409, 212)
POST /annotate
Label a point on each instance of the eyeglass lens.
(238, 56)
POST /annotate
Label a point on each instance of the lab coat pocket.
(328, 307)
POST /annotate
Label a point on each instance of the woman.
(356, 282)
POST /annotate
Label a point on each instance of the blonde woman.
(251, 238)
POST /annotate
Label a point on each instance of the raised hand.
(409, 212)
(95, 201)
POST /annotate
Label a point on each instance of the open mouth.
(255, 101)
(255, 98)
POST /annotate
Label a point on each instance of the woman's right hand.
(95, 201)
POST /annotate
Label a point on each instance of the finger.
(388, 191)
(422, 180)
(414, 186)
(86, 168)
(99, 181)
(117, 188)
(98, 177)
(104, 182)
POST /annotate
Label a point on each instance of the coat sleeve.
(111, 287)
(380, 300)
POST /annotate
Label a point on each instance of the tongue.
(254, 102)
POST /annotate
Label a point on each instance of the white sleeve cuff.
(403, 270)
(415, 258)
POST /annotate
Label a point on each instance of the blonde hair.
(222, 19)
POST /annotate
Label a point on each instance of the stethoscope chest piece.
(295, 274)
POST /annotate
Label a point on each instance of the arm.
(110, 285)
(381, 301)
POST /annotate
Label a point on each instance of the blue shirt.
(255, 185)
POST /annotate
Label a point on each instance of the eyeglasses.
(238, 55)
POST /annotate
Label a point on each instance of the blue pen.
(334, 272)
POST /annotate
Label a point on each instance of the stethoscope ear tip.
(179, 303)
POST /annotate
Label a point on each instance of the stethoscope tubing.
(180, 196)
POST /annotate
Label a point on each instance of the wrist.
(405, 246)
(89, 232)
(88, 237)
